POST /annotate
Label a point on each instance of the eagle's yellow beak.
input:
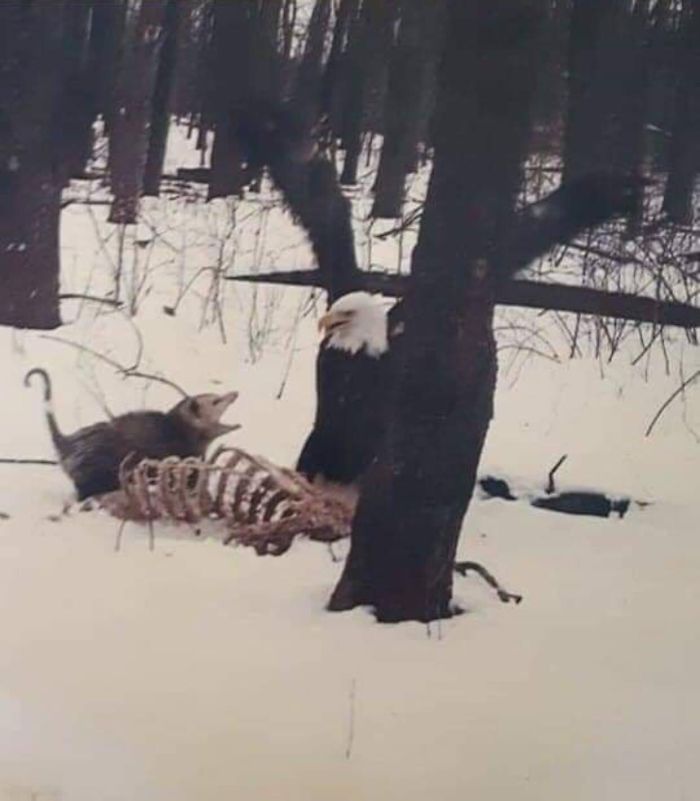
(332, 320)
(325, 322)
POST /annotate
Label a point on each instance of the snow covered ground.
(198, 672)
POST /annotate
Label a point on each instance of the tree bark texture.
(407, 100)
(275, 137)
(597, 64)
(367, 61)
(684, 156)
(307, 91)
(176, 14)
(335, 72)
(129, 135)
(33, 67)
(414, 497)
(244, 68)
(106, 41)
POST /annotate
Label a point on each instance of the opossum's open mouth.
(221, 405)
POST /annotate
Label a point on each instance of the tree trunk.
(684, 158)
(311, 190)
(551, 92)
(632, 143)
(128, 138)
(367, 61)
(335, 71)
(77, 106)
(176, 13)
(29, 264)
(231, 82)
(307, 92)
(106, 42)
(414, 497)
(594, 86)
(408, 95)
(32, 167)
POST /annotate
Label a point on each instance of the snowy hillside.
(198, 672)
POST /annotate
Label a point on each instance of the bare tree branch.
(530, 294)
(127, 372)
(670, 399)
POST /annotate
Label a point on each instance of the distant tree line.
(619, 84)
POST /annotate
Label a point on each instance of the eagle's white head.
(355, 321)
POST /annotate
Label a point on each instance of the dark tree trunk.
(29, 264)
(415, 496)
(407, 99)
(310, 187)
(175, 14)
(33, 67)
(77, 106)
(307, 93)
(236, 77)
(633, 47)
(632, 146)
(271, 21)
(199, 95)
(128, 137)
(269, 69)
(684, 157)
(106, 42)
(315, 197)
(368, 47)
(661, 82)
(289, 19)
(335, 71)
(550, 99)
(594, 67)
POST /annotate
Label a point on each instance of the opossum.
(91, 456)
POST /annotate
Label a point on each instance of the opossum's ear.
(194, 407)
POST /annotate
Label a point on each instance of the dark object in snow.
(595, 504)
(353, 378)
(464, 567)
(198, 175)
(92, 456)
(496, 488)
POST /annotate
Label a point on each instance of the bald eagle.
(352, 389)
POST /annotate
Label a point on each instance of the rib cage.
(263, 505)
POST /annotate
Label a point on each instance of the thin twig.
(351, 721)
(120, 531)
(27, 461)
(78, 296)
(127, 372)
(670, 400)
(506, 597)
(550, 482)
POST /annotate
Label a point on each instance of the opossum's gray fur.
(92, 455)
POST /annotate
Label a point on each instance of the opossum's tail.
(56, 435)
